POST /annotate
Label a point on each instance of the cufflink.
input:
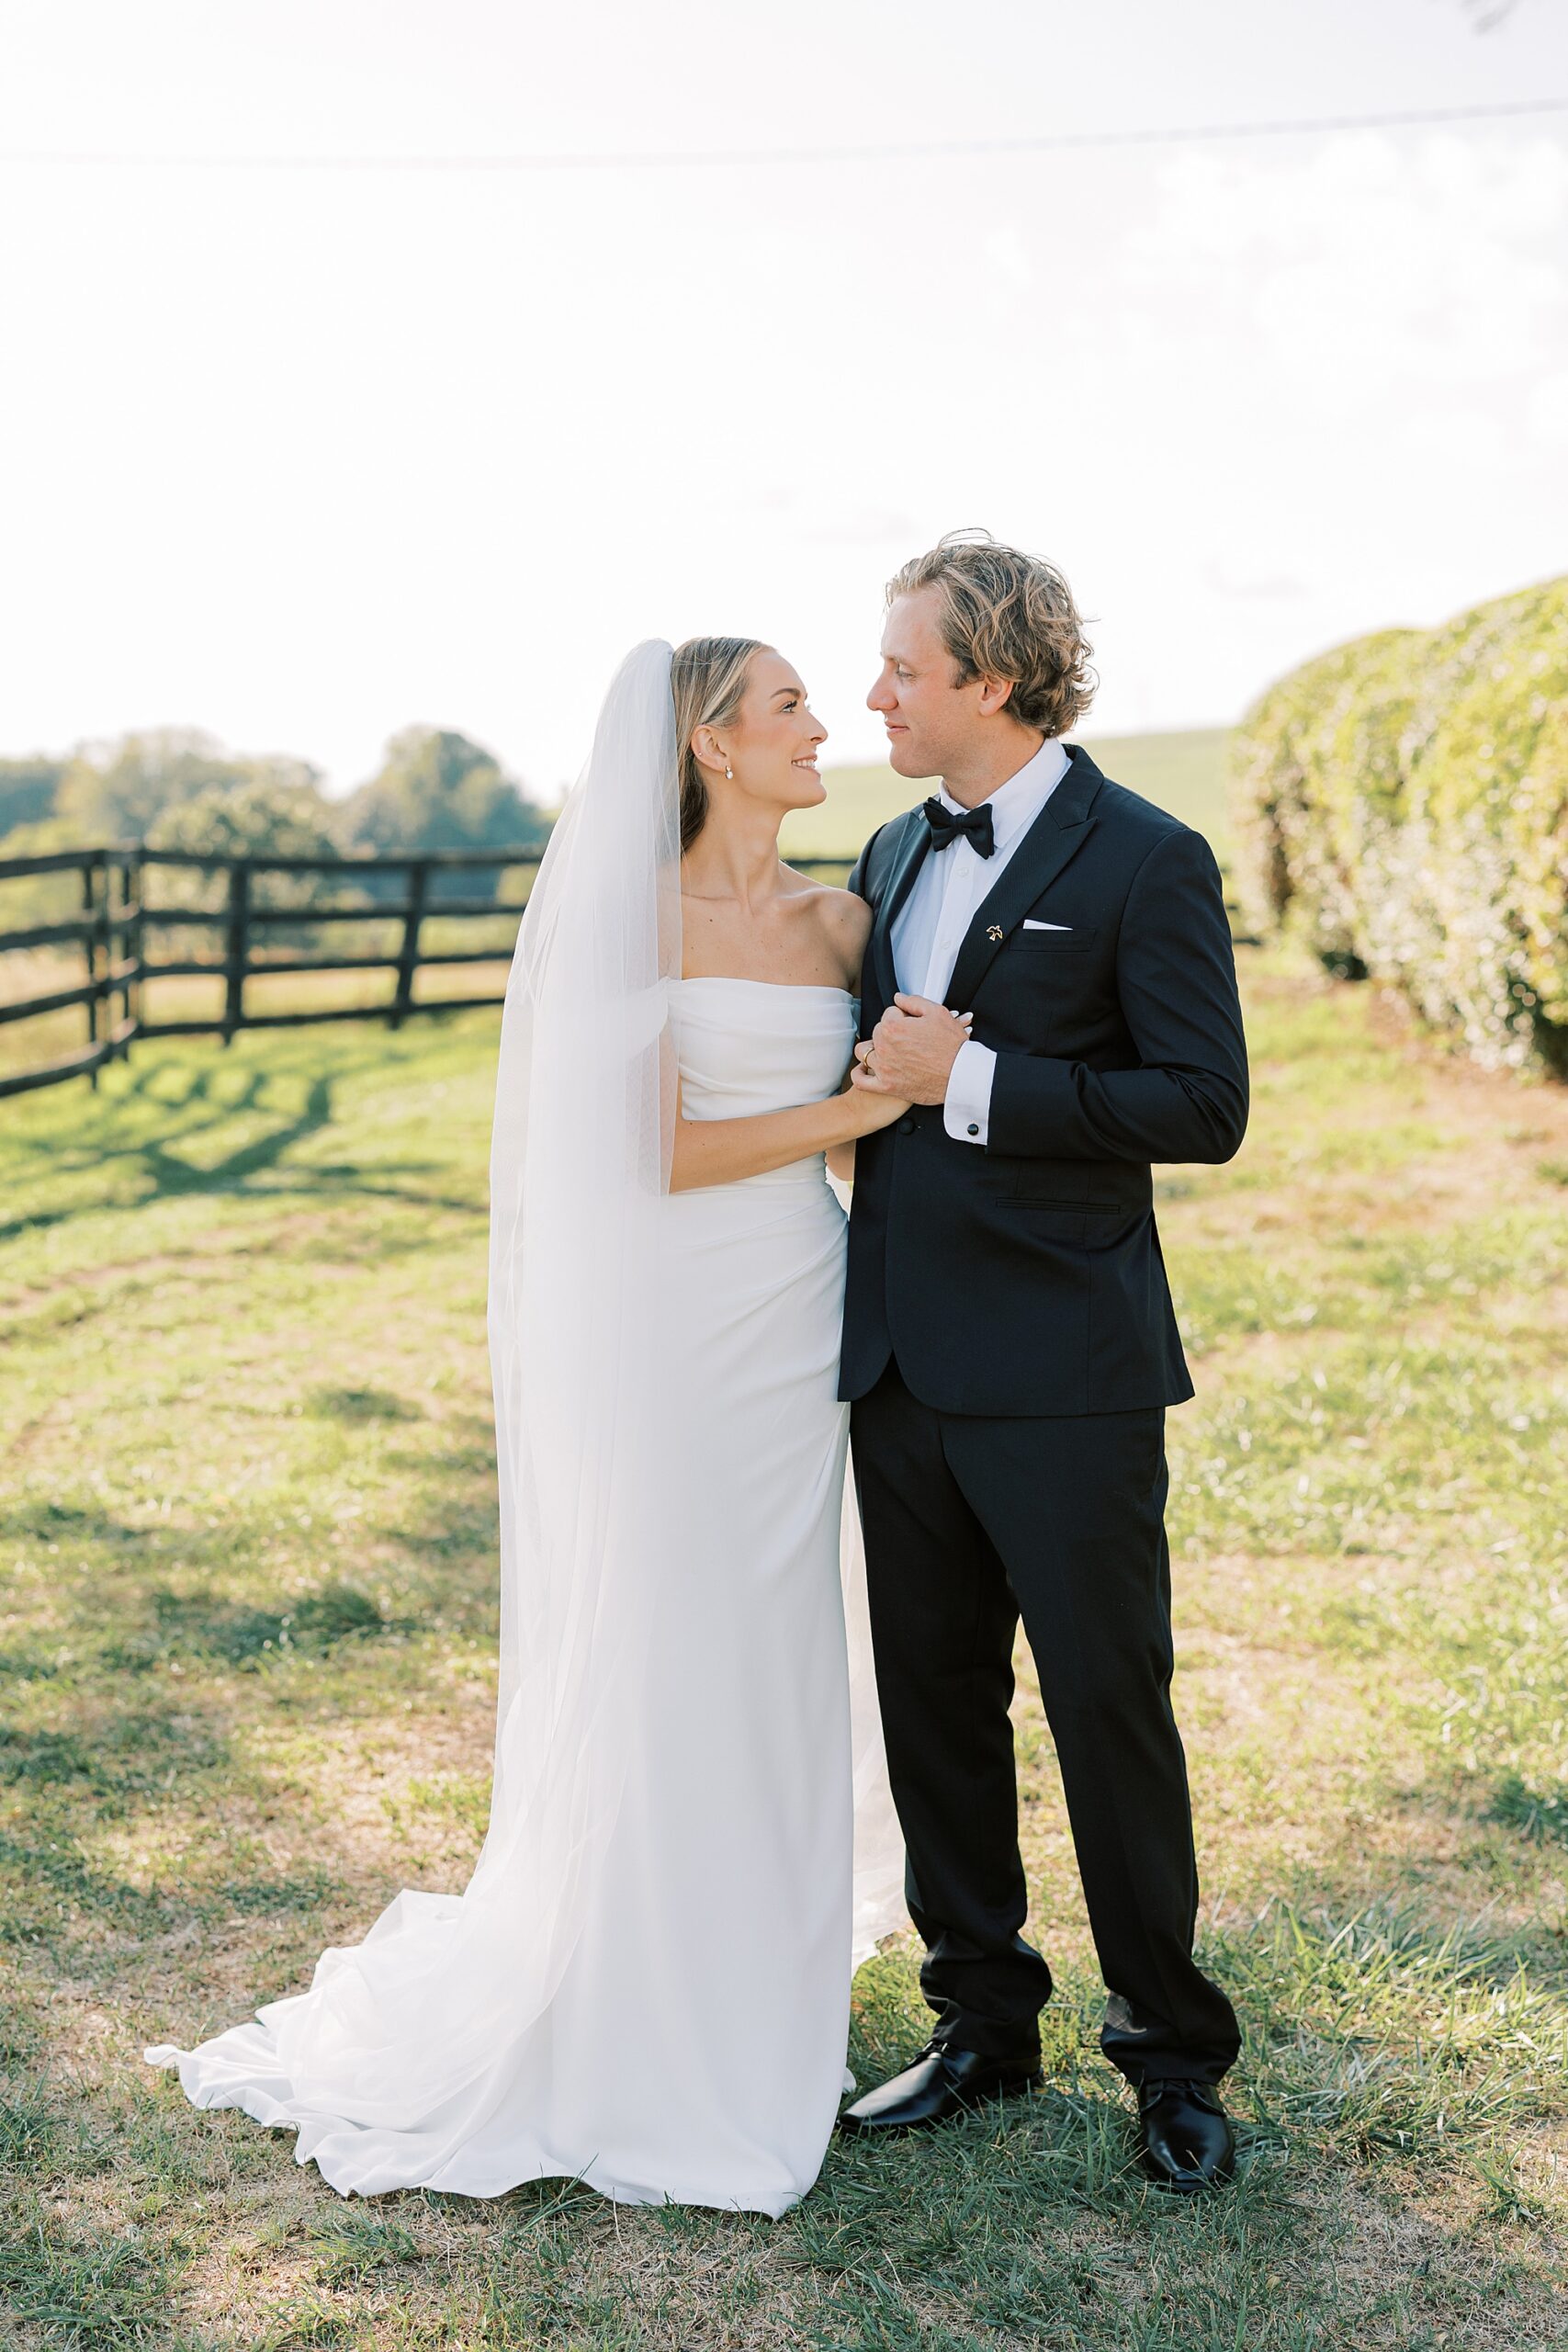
(974, 1128)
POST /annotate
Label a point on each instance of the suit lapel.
(908, 856)
(1057, 835)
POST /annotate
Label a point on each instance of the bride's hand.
(873, 1110)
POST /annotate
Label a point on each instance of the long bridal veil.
(575, 1278)
(403, 2045)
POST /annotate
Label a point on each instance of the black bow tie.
(947, 827)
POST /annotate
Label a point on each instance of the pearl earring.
(730, 774)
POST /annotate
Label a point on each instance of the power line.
(657, 159)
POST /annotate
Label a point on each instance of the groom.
(1049, 984)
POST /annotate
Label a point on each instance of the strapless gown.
(695, 2048)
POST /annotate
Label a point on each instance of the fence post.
(236, 947)
(90, 951)
(135, 944)
(118, 870)
(102, 936)
(408, 954)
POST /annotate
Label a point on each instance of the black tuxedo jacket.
(1024, 1276)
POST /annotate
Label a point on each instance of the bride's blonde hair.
(707, 678)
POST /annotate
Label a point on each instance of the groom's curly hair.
(1007, 615)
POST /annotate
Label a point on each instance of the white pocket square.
(1030, 924)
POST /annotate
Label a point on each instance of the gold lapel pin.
(993, 931)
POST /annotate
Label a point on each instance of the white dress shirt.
(933, 920)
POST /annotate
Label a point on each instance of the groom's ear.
(994, 693)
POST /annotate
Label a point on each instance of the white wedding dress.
(689, 2042)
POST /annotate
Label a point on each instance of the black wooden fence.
(117, 921)
(118, 924)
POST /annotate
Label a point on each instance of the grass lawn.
(1184, 772)
(245, 1693)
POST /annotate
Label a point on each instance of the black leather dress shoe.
(1188, 2143)
(942, 2081)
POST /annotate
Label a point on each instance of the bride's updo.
(707, 678)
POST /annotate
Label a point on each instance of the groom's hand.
(911, 1051)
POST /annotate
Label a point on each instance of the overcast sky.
(302, 456)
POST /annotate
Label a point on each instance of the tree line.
(178, 788)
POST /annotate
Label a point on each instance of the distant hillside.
(1184, 772)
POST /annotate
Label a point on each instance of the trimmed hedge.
(1402, 805)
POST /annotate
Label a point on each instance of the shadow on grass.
(51, 1889)
(116, 1755)
(202, 1110)
(232, 1595)
(45, 1519)
(361, 1405)
(1539, 1813)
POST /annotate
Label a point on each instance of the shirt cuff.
(966, 1113)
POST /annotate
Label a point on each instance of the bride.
(690, 1845)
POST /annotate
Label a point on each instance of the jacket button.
(906, 1127)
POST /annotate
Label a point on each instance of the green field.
(246, 1691)
(1184, 772)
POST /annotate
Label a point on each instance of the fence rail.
(118, 924)
(116, 933)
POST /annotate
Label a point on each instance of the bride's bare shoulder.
(846, 922)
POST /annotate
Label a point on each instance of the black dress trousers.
(971, 1522)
